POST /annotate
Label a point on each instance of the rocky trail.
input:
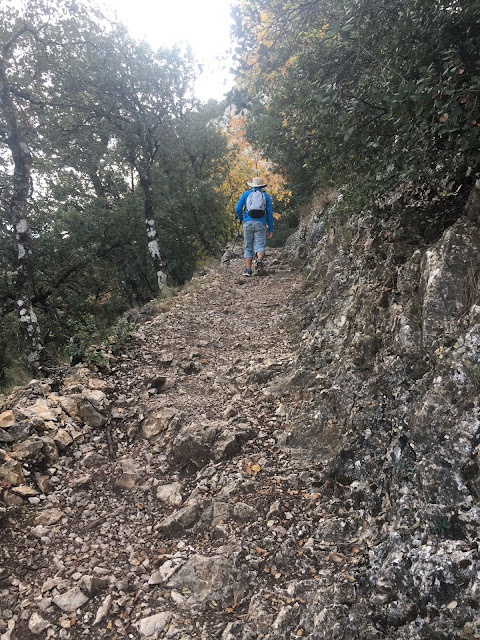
(203, 526)
(291, 456)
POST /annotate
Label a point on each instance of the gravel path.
(202, 523)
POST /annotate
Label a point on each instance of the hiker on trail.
(254, 209)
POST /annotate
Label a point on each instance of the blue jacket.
(241, 205)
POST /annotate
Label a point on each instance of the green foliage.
(85, 334)
(442, 525)
(448, 526)
(121, 337)
(92, 342)
(363, 91)
(284, 227)
(115, 133)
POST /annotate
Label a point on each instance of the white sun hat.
(257, 182)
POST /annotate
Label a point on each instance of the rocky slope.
(391, 361)
(280, 457)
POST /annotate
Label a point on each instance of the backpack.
(256, 204)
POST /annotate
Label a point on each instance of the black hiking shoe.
(260, 268)
(248, 273)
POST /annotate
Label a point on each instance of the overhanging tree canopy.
(365, 91)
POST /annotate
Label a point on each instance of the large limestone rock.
(180, 520)
(194, 443)
(152, 625)
(170, 494)
(131, 474)
(30, 449)
(71, 600)
(41, 409)
(159, 422)
(11, 471)
(62, 439)
(96, 397)
(48, 517)
(70, 404)
(37, 624)
(50, 450)
(89, 414)
(7, 419)
(207, 578)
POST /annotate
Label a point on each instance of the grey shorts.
(254, 237)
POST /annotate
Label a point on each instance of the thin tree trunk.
(22, 160)
(151, 227)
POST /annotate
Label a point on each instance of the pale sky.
(203, 24)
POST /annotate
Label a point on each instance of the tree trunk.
(151, 227)
(22, 160)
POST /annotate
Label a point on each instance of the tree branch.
(42, 296)
(8, 45)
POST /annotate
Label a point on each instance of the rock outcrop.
(390, 347)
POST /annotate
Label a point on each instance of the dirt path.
(203, 525)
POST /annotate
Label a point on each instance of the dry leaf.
(260, 550)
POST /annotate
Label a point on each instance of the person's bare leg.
(248, 263)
